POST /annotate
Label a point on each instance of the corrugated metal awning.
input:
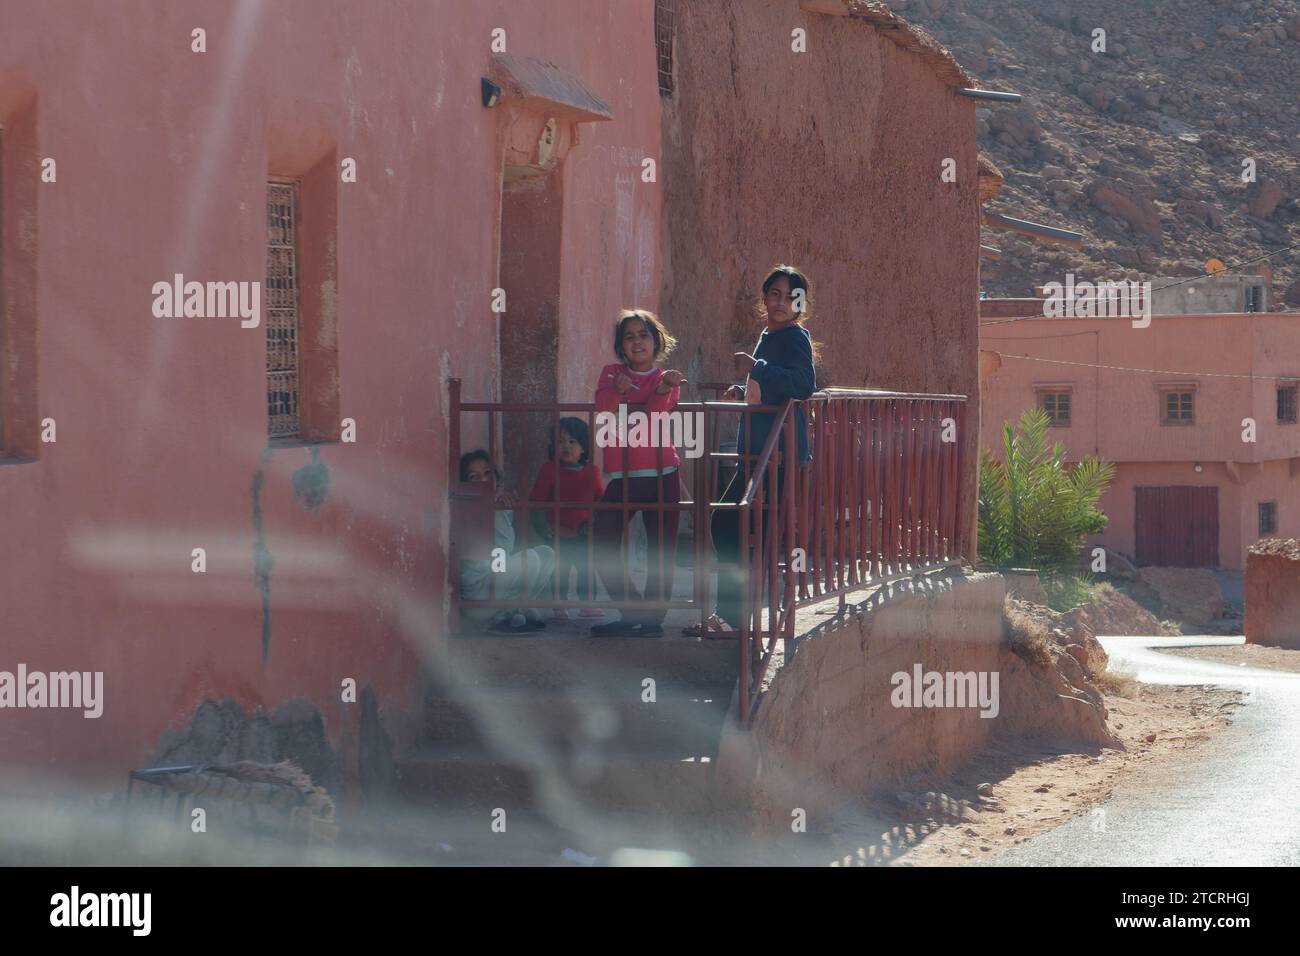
(562, 93)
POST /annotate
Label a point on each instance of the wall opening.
(531, 230)
(20, 179)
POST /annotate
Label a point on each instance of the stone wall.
(826, 731)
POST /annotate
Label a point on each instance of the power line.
(1146, 371)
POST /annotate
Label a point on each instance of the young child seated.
(476, 573)
(569, 475)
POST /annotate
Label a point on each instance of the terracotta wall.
(831, 160)
(322, 563)
(1272, 593)
(1115, 412)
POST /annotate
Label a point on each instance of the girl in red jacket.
(640, 343)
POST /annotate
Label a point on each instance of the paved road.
(1234, 800)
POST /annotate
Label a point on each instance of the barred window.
(1267, 517)
(665, 28)
(282, 309)
(1288, 404)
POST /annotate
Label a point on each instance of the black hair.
(797, 281)
(577, 429)
(478, 454)
(664, 343)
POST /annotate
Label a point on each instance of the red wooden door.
(1177, 526)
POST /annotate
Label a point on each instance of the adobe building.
(830, 159)
(1197, 412)
(131, 441)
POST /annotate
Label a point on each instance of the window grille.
(1267, 517)
(665, 29)
(1288, 404)
(282, 309)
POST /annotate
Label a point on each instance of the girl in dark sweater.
(780, 367)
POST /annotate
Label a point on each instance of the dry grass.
(1115, 684)
(1027, 636)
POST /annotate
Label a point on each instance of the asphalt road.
(1233, 800)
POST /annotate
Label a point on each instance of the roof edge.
(900, 32)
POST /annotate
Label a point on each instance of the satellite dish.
(1214, 266)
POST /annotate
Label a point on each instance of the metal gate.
(1177, 526)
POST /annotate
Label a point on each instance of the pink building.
(1198, 413)
(143, 140)
(245, 248)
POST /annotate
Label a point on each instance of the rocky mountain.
(1137, 136)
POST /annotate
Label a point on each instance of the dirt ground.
(1030, 791)
(1245, 655)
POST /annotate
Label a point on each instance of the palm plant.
(1034, 511)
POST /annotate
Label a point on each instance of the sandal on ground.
(714, 628)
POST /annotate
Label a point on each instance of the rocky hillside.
(1140, 147)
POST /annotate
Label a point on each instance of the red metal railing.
(879, 501)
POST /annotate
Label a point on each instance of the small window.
(1057, 406)
(665, 28)
(1288, 404)
(1267, 518)
(282, 309)
(1176, 407)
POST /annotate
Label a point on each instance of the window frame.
(1066, 389)
(1164, 390)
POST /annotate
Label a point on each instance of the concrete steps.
(557, 727)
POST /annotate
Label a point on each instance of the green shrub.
(1034, 512)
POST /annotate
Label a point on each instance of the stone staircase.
(556, 731)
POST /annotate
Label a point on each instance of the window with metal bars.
(282, 309)
(665, 28)
(1267, 517)
(1288, 404)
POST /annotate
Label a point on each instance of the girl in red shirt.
(569, 475)
(640, 343)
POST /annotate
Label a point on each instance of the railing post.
(453, 433)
